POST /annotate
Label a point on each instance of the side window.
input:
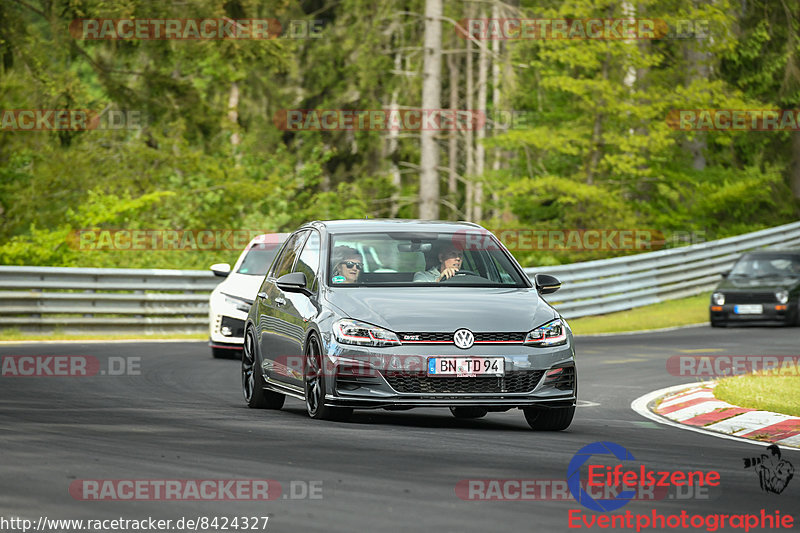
(496, 271)
(284, 264)
(308, 263)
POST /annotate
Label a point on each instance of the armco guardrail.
(105, 300)
(117, 300)
(608, 285)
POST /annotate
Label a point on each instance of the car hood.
(743, 284)
(410, 309)
(241, 285)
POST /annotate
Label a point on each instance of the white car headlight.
(782, 296)
(554, 333)
(349, 331)
(237, 303)
(718, 298)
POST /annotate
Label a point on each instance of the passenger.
(347, 265)
(449, 263)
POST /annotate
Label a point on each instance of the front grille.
(426, 337)
(500, 337)
(750, 297)
(480, 337)
(236, 325)
(420, 383)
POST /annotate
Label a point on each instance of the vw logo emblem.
(463, 338)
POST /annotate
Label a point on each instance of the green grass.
(692, 310)
(778, 392)
(14, 334)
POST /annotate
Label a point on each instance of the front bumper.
(397, 377)
(233, 325)
(238, 346)
(771, 313)
(498, 404)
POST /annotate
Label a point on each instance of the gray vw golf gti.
(397, 314)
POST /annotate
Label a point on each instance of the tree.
(431, 101)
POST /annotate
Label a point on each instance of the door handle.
(262, 295)
(280, 301)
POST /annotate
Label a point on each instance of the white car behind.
(231, 300)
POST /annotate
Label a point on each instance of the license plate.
(466, 367)
(748, 309)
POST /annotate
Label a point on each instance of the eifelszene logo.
(773, 472)
(627, 479)
(574, 476)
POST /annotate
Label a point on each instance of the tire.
(549, 419)
(718, 324)
(253, 381)
(314, 385)
(466, 413)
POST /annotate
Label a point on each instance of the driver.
(347, 265)
(449, 263)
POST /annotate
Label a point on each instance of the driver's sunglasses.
(351, 264)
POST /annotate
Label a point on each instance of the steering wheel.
(461, 273)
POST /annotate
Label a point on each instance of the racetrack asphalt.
(183, 417)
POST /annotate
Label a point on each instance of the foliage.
(595, 151)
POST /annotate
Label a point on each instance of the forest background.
(577, 133)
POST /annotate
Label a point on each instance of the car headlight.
(782, 296)
(237, 303)
(554, 333)
(349, 331)
(718, 298)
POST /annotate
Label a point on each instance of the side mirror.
(221, 269)
(546, 284)
(725, 274)
(293, 282)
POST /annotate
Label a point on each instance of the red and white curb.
(694, 407)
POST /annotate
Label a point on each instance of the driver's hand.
(447, 273)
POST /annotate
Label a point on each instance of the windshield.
(258, 259)
(767, 265)
(414, 259)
